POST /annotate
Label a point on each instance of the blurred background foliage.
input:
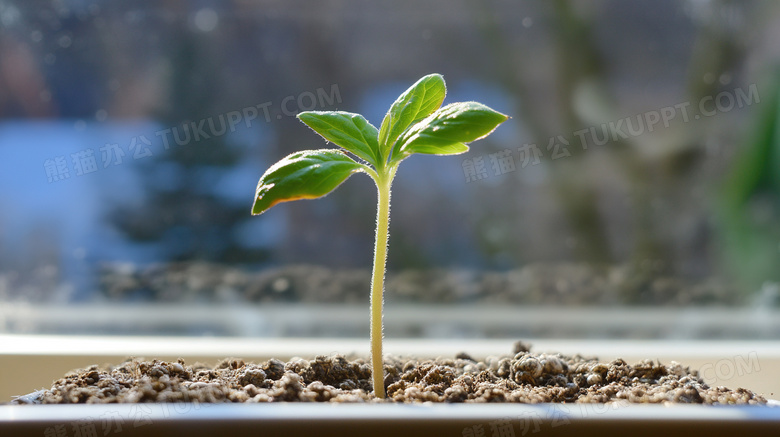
(696, 197)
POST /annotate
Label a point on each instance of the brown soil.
(524, 377)
(571, 284)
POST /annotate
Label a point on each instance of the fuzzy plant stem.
(383, 182)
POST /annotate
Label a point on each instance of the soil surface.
(571, 284)
(522, 377)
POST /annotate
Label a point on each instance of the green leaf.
(446, 131)
(447, 149)
(303, 175)
(345, 129)
(416, 103)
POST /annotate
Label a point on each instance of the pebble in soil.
(524, 377)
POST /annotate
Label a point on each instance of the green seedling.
(415, 123)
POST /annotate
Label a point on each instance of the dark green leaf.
(345, 129)
(446, 131)
(303, 175)
(416, 103)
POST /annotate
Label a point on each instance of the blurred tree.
(750, 201)
(182, 210)
(579, 64)
(584, 98)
